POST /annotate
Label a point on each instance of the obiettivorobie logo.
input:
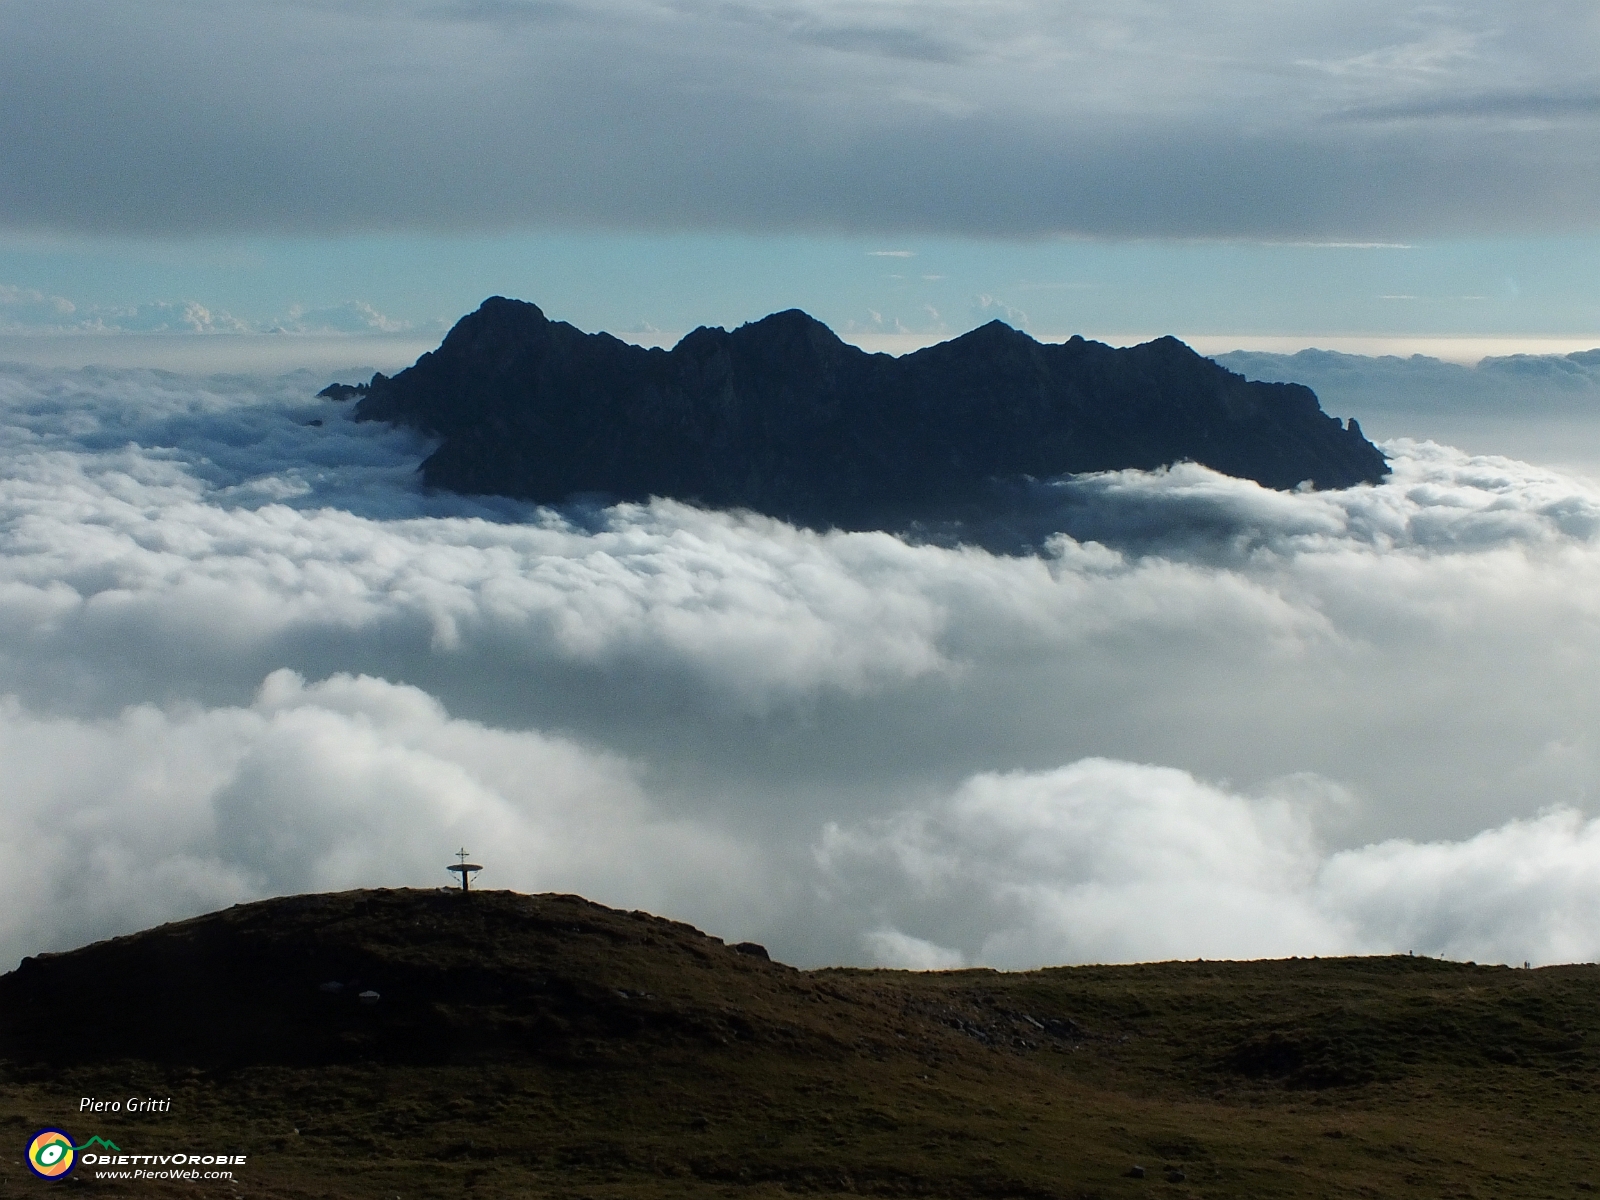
(52, 1155)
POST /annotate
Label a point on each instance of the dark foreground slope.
(545, 1046)
(782, 417)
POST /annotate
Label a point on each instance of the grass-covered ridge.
(544, 1045)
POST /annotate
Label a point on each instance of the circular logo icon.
(50, 1154)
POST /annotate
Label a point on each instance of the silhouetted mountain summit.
(783, 417)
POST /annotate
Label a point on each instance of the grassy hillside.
(546, 1046)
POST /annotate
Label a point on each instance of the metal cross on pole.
(464, 869)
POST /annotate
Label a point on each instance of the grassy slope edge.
(548, 1046)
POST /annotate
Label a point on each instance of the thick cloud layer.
(1238, 118)
(350, 782)
(1106, 860)
(245, 654)
(357, 782)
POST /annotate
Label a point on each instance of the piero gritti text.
(132, 1104)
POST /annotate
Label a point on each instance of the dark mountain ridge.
(783, 417)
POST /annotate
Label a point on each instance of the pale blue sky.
(630, 283)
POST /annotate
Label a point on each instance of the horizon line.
(344, 352)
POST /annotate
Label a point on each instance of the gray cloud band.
(1023, 119)
(243, 654)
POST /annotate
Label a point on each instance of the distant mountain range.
(782, 417)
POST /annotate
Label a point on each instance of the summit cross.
(464, 869)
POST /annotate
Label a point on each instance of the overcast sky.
(1114, 166)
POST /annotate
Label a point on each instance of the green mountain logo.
(99, 1141)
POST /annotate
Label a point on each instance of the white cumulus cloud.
(1106, 861)
(350, 782)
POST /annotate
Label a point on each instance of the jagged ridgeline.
(782, 417)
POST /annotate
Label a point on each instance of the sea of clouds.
(242, 653)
